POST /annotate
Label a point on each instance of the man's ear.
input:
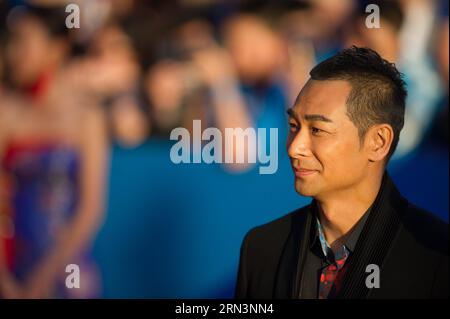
(379, 141)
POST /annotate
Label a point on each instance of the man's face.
(323, 144)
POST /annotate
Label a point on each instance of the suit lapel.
(285, 284)
(376, 238)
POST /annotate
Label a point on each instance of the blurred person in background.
(294, 24)
(112, 71)
(259, 54)
(53, 155)
(403, 37)
(440, 130)
(320, 23)
(1, 65)
(108, 64)
(175, 92)
(325, 24)
(198, 80)
(3, 11)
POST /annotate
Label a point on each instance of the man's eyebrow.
(310, 117)
(317, 117)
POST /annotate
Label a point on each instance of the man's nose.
(299, 144)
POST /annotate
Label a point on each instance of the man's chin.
(306, 194)
(304, 190)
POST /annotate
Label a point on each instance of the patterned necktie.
(329, 274)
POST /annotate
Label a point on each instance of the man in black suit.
(359, 238)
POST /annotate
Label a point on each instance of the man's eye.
(293, 126)
(316, 130)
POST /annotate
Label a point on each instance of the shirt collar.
(349, 242)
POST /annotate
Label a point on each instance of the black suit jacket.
(409, 245)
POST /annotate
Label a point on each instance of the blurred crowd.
(136, 69)
(157, 65)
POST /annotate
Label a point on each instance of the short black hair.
(378, 91)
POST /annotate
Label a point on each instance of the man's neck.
(341, 211)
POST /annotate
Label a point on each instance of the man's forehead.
(322, 97)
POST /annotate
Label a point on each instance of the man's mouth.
(302, 172)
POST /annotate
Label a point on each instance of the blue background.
(175, 231)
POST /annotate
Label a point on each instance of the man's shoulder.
(278, 229)
(426, 228)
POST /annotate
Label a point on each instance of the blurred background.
(86, 114)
